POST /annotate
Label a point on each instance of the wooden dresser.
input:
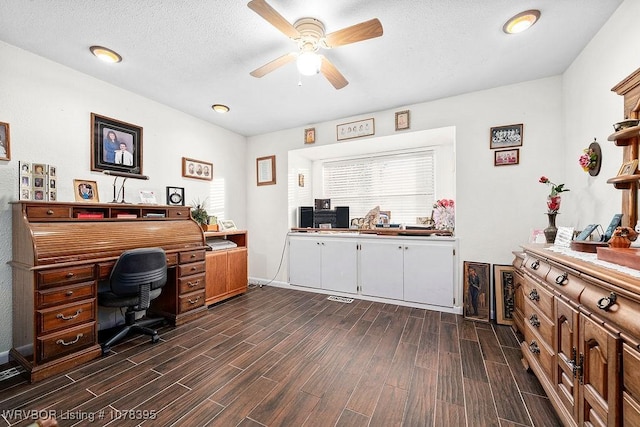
(62, 250)
(580, 325)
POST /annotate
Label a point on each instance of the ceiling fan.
(308, 33)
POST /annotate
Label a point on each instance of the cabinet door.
(566, 348)
(216, 277)
(237, 267)
(339, 265)
(631, 385)
(518, 298)
(599, 394)
(381, 265)
(428, 273)
(305, 262)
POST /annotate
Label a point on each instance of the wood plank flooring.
(282, 357)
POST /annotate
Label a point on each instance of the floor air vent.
(340, 299)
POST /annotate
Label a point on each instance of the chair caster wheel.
(105, 350)
(155, 339)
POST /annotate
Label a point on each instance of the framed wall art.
(402, 120)
(477, 291)
(192, 168)
(115, 145)
(266, 170)
(5, 142)
(356, 129)
(506, 136)
(628, 168)
(175, 196)
(504, 285)
(85, 191)
(310, 135)
(506, 157)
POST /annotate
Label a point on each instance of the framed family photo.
(115, 145)
(85, 191)
(477, 291)
(5, 142)
(504, 285)
(356, 129)
(198, 169)
(506, 136)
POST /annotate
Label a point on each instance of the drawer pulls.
(62, 342)
(533, 347)
(193, 302)
(561, 279)
(63, 317)
(70, 275)
(533, 295)
(193, 284)
(68, 293)
(535, 265)
(576, 364)
(50, 212)
(606, 302)
(534, 321)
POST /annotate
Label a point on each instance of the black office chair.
(137, 278)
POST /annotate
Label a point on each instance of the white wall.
(48, 107)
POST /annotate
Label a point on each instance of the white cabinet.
(414, 271)
(328, 263)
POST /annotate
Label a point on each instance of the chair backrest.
(136, 268)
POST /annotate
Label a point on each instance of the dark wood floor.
(279, 357)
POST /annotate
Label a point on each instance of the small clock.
(175, 196)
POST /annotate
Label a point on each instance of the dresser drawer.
(179, 212)
(40, 212)
(172, 259)
(630, 370)
(63, 276)
(192, 256)
(65, 342)
(569, 284)
(191, 301)
(618, 311)
(537, 350)
(65, 294)
(191, 283)
(191, 269)
(64, 316)
(539, 296)
(538, 322)
(535, 266)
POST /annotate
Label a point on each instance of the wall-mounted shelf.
(624, 182)
(625, 136)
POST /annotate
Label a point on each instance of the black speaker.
(305, 216)
(342, 216)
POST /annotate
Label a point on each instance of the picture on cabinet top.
(477, 291)
(506, 136)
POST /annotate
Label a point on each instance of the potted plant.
(200, 215)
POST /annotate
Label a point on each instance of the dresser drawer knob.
(193, 302)
(62, 342)
(50, 212)
(63, 317)
(534, 321)
(533, 295)
(178, 213)
(605, 303)
(70, 275)
(68, 293)
(193, 255)
(535, 265)
(561, 278)
(533, 347)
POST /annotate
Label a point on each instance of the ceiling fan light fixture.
(220, 108)
(106, 55)
(521, 22)
(308, 63)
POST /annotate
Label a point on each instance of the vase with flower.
(553, 206)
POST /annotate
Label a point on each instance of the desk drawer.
(538, 322)
(191, 283)
(39, 212)
(66, 342)
(192, 256)
(63, 276)
(65, 316)
(191, 269)
(179, 212)
(66, 294)
(191, 301)
(172, 259)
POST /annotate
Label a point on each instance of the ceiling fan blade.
(276, 63)
(332, 74)
(362, 31)
(263, 9)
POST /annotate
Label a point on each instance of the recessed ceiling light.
(219, 108)
(521, 21)
(107, 55)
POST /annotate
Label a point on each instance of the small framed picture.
(5, 146)
(300, 180)
(477, 291)
(266, 170)
(85, 191)
(175, 196)
(506, 157)
(628, 168)
(227, 225)
(148, 197)
(356, 129)
(310, 135)
(504, 285)
(198, 169)
(506, 136)
(322, 204)
(402, 120)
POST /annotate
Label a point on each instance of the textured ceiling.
(192, 54)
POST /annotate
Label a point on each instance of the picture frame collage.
(482, 296)
(504, 139)
(38, 181)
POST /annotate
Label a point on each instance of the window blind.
(403, 184)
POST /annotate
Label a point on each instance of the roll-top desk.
(62, 250)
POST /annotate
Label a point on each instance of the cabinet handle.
(50, 212)
(533, 347)
(533, 295)
(193, 284)
(70, 275)
(62, 342)
(535, 265)
(399, 247)
(561, 279)
(68, 293)
(63, 317)
(606, 302)
(534, 321)
(193, 302)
